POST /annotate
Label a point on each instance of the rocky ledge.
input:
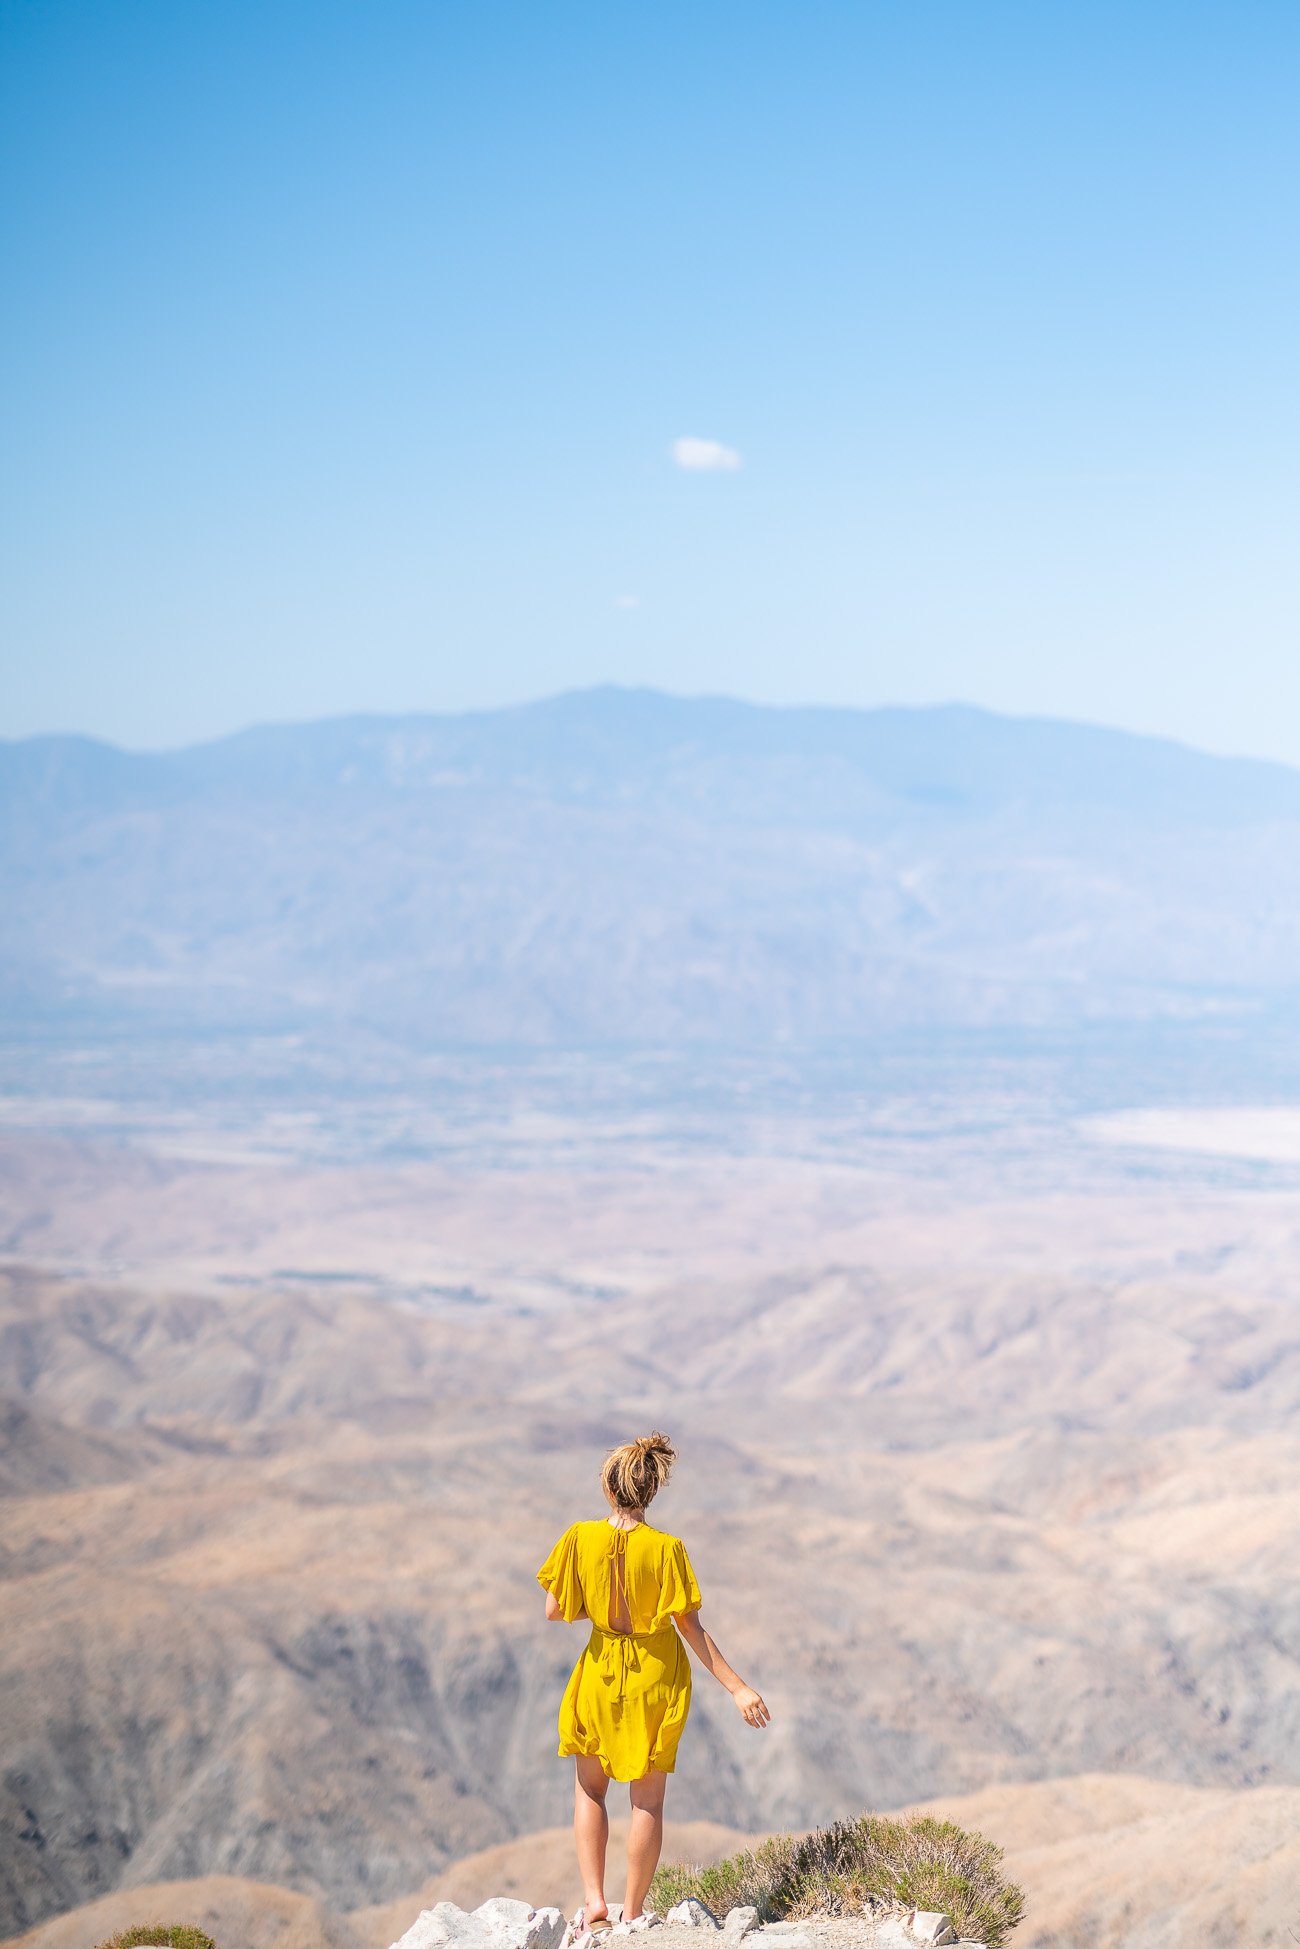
(505, 1924)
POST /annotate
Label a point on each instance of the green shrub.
(915, 1862)
(176, 1935)
(750, 1880)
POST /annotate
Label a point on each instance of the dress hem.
(620, 1779)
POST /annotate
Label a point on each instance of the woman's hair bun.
(634, 1473)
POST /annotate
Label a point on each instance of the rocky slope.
(982, 1488)
(266, 1639)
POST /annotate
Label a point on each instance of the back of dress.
(628, 1696)
(628, 1580)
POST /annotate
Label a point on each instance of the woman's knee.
(647, 1793)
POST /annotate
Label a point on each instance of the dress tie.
(619, 1654)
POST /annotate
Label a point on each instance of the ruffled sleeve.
(559, 1575)
(678, 1590)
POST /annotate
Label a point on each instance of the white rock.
(740, 1922)
(545, 1930)
(691, 1914)
(500, 1923)
(516, 1925)
(929, 1925)
(890, 1933)
(444, 1923)
(503, 1912)
(647, 1919)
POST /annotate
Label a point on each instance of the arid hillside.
(981, 1491)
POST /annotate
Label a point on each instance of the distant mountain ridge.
(604, 738)
(620, 865)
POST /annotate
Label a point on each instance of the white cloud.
(627, 602)
(705, 456)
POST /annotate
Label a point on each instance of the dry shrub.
(173, 1935)
(749, 1880)
(915, 1862)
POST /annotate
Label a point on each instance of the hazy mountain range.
(617, 865)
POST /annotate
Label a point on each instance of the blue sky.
(346, 346)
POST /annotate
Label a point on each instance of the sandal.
(580, 1926)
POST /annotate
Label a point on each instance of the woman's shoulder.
(664, 1538)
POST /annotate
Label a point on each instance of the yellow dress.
(629, 1693)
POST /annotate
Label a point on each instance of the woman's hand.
(750, 1706)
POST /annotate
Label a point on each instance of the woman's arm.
(748, 1702)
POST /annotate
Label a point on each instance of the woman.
(627, 1699)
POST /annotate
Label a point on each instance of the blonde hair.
(634, 1474)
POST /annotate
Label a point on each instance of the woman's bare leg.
(645, 1838)
(591, 1832)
